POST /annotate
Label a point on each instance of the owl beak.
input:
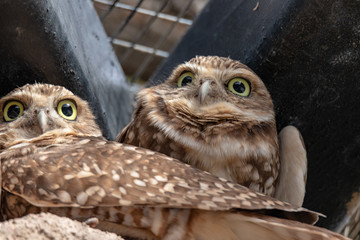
(204, 90)
(42, 119)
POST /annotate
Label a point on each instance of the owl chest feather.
(235, 156)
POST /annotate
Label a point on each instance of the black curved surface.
(308, 54)
(63, 43)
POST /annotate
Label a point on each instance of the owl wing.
(87, 172)
(293, 167)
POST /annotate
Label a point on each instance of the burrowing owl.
(217, 115)
(53, 159)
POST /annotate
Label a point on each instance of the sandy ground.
(48, 226)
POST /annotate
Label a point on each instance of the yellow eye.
(67, 109)
(13, 110)
(239, 86)
(185, 79)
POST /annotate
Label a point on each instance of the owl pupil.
(14, 111)
(186, 80)
(67, 110)
(239, 87)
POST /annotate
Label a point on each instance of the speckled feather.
(134, 192)
(120, 173)
(129, 185)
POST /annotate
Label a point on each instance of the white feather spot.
(218, 199)
(116, 195)
(54, 186)
(244, 195)
(68, 176)
(137, 156)
(64, 196)
(101, 192)
(86, 167)
(101, 143)
(122, 190)
(218, 185)
(150, 194)
(134, 174)
(169, 187)
(116, 177)
(139, 183)
(92, 190)
(129, 161)
(153, 181)
(252, 194)
(43, 157)
(161, 178)
(124, 202)
(230, 198)
(42, 191)
(246, 203)
(183, 184)
(81, 198)
(84, 141)
(20, 145)
(204, 186)
(129, 148)
(97, 169)
(84, 174)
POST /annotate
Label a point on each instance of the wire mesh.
(143, 32)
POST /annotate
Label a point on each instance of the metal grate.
(143, 32)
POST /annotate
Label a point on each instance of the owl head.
(211, 90)
(33, 110)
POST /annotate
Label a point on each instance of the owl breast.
(214, 114)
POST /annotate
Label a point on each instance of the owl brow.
(179, 71)
(184, 68)
(67, 97)
(5, 100)
(241, 73)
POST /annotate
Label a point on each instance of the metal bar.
(148, 58)
(143, 31)
(126, 21)
(163, 16)
(141, 48)
(108, 11)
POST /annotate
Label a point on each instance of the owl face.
(33, 110)
(214, 112)
(219, 88)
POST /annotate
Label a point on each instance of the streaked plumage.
(67, 170)
(212, 126)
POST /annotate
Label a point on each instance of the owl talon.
(92, 222)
